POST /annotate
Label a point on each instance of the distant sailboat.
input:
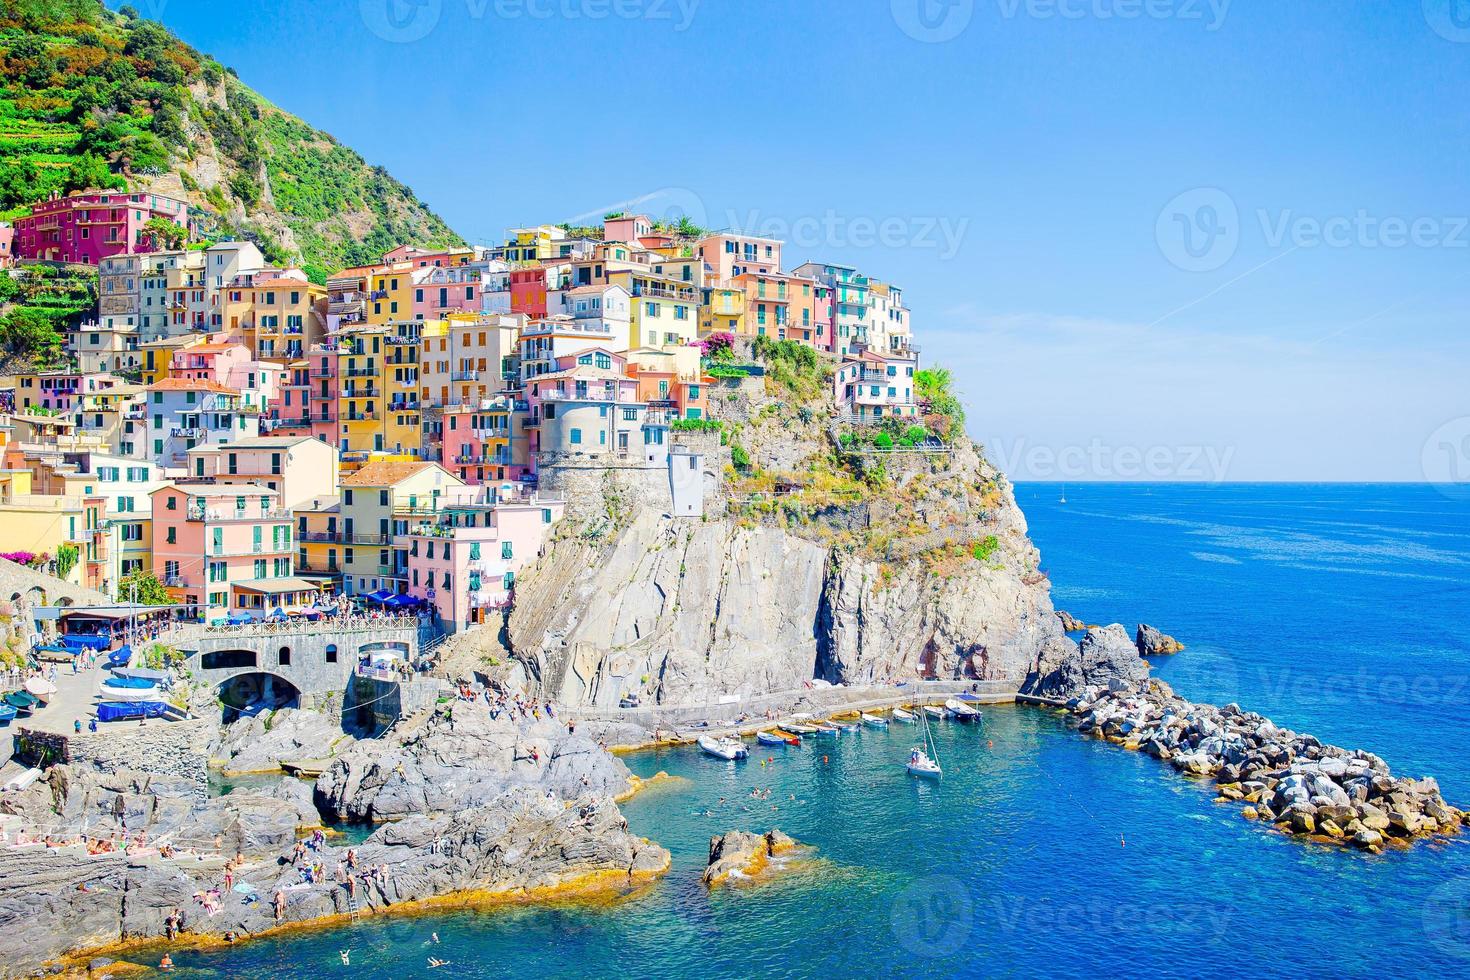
(1064, 494)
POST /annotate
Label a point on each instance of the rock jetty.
(742, 854)
(1152, 643)
(1294, 781)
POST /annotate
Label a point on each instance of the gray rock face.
(261, 743)
(460, 756)
(684, 612)
(1105, 655)
(739, 853)
(1152, 643)
(57, 900)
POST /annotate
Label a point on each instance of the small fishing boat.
(21, 702)
(802, 730)
(7, 714)
(823, 728)
(723, 748)
(129, 689)
(920, 764)
(791, 738)
(934, 711)
(769, 738)
(874, 721)
(846, 726)
(900, 714)
(960, 711)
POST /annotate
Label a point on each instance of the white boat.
(114, 692)
(933, 711)
(723, 748)
(825, 728)
(961, 711)
(801, 729)
(920, 764)
(899, 714)
(875, 721)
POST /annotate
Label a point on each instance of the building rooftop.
(384, 473)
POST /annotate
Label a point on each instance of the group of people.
(516, 705)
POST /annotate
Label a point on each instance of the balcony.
(360, 416)
(186, 432)
(361, 372)
(586, 395)
(465, 376)
(354, 392)
(219, 515)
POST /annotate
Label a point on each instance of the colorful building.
(87, 226)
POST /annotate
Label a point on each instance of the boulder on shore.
(742, 853)
(1152, 643)
(1105, 657)
(1070, 623)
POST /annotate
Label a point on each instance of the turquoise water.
(1041, 851)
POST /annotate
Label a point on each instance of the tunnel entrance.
(249, 694)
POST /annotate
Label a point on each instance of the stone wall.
(178, 748)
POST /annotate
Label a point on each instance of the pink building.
(7, 245)
(438, 290)
(209, 537)
(215, 362)
(869, 386)
(464, 562)
(88, 226)
(729, 255)
(629, 228)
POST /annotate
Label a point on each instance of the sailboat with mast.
(924, 759)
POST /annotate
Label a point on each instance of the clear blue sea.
(1338, 610)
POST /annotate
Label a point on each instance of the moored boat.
(961, 711)
(874, 721)
(920, 764)
(934, 711)
(7, 714)
(723, 748)
(901, 714)
(790, 738)
(129, 689)
(802, 729)
(21, 702)
(769, 738)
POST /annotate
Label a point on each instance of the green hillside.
(92, 98)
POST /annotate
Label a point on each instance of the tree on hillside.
(935, 387)
(27, 334)
(165, 234)
(142, 586)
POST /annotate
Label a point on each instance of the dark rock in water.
(1152, 643)
(1105, 654)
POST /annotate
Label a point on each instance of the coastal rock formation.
(926, 572)
(1293, 780)
(261, 743)
(54, 901)
(742, 854)
(1070, 623)
(1152, 643)
(1106, 656)
(461, 756)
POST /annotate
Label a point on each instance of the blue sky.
(1169, 239)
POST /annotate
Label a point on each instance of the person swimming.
(436, 962)
(346, 957)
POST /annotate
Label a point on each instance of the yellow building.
(402, 422)
(390, 293)
(157, 354)
(467, 357)
(665, 311)
(319, 541)
(360, 391)
(278, 315)
(534, 244)
(69, 528)
(723, 311)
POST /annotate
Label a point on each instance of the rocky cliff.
(855, 567)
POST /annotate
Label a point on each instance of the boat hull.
(111, 693)
(922, 772)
